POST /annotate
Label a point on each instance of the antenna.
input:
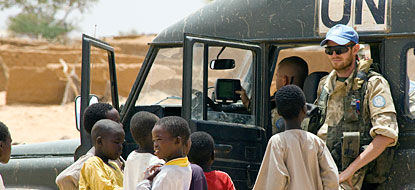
(95, 30)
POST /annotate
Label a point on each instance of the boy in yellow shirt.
(98, 172)
(68, 179)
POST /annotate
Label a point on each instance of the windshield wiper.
(169, 97)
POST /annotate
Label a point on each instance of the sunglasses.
(338, 49)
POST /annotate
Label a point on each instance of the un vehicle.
(246, 39)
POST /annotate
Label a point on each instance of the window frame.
(189, 42)
(405, 80)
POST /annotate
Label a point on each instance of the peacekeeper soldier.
(291, 70)
(358, 115)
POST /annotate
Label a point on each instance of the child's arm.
(166, 179)
(128, 181)
(69, 178)
(120, 162)
(328, 169)
(144, 185)
(273, 174)
(149, 175)
(229, 182)
(93, 176)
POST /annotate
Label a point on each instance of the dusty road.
(38, 123)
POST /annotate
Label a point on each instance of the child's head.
(170, 137)
(141, 125)
(108, 137)
(5, 143)
(98, 111)
(290, 102)
(202, 149)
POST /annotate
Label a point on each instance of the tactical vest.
(350, 136)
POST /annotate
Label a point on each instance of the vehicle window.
(233, 112)
(315, 57)
(164, 81)
(126, 73)
(410, 61)
(100, 76)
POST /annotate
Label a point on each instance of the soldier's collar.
(349, 80)
(332, 77)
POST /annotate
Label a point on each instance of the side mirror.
(222, 64)
(92, 100)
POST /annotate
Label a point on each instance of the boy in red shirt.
(202, 154)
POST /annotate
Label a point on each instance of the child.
(198, 176)
(296, 159)
(170, 137)
(139, 160)
(99, 172)
(199, 181)
(202, 154)
(5, 147)
(68, 179)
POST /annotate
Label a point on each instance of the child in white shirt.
(139, 160)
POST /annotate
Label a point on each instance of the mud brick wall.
(34, 85)
(4, 75)
(31, 72)
(40, 58)
(131, 45)
(126, 75)
(31, 69)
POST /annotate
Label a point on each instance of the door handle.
(225, 148)
(248, 176)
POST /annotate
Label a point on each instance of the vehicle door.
(240, 138)
(97, 78)
(399, 69)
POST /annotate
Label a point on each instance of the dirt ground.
(38, 123)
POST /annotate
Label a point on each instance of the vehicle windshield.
(164, 81)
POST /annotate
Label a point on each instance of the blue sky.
(114, 16)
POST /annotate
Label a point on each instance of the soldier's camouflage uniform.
(277, 122)
(378, 108)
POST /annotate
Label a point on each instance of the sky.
(113, 16)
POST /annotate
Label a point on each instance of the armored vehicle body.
(177, 76)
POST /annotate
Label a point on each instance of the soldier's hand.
(346, 176)
(244, 97)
